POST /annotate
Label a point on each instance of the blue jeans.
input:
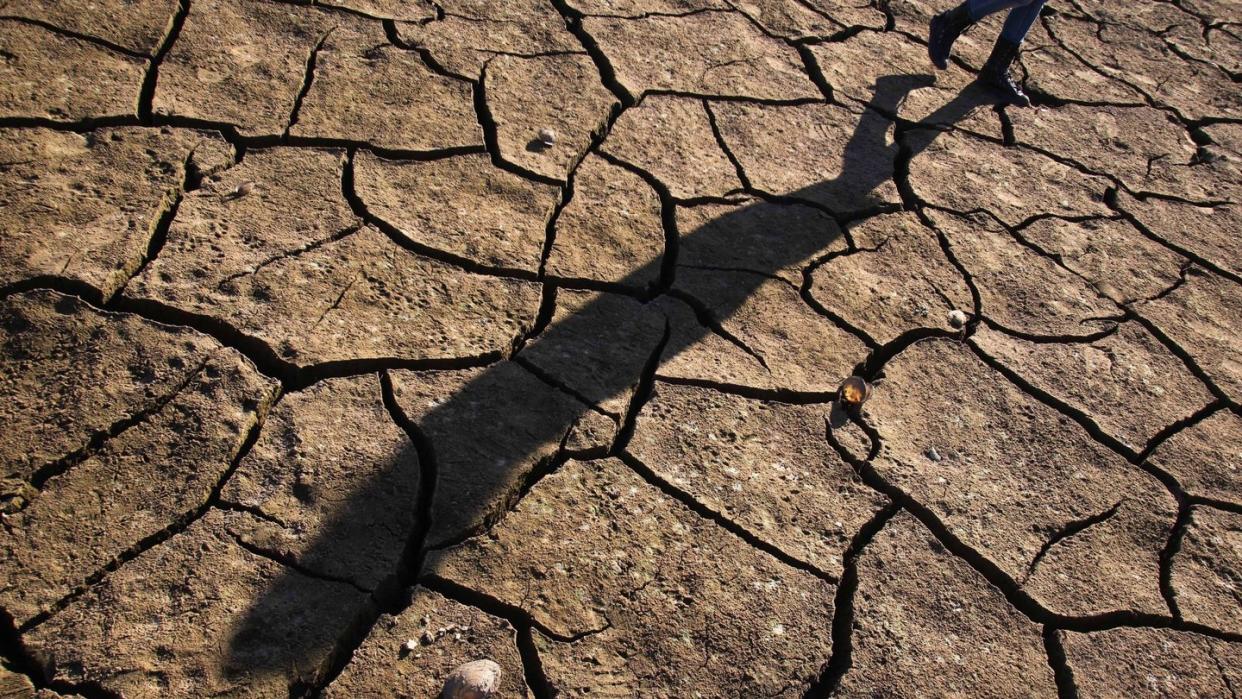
(1021, 16)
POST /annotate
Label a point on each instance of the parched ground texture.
(322, 373)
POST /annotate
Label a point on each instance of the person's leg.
(996, 71)
(1020, 20)
(982, 8)
(947, 26)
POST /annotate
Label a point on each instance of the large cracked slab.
(14, 685)
(671, 137)
(86, 206)
(1128, 383)
(1142, 147)
(898, 280)
(563, 93)
(1206, 458)
(1218, 45)
(220, 234)
(1152, 663)
(446, 633)
(182, 407)
(1015, 184)
(698, 353)
(1053, 70)
(366, 90)
(638, 8)
(1078, 527)
(138, 27)
(1203, 317)
(1020, 289)
(679, 604)
(240, 63)
(1119, 261)
(1206, 231)
(1207, 569)
(199, 614)
(474, 32)
(1153, 17)
(612, 230)
(927, 624)
(890, 73)
(756, 235)
(801, 349)
(73, 375)
(489, 429)
(762, 465)
(790, 20)
(597, 346)
(851, 13)
(399, 10)
(1221, 171)
(710, 53)
(361, 297)
(46, 75)
(461, 205)
(336, 481)
(818, 152)
(300, 278)
(1196, 90)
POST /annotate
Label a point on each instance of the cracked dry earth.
(322, 375)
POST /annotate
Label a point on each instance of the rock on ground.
(562, 93)
(446, 634)
(1019, 289)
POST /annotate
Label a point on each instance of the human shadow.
(502, 426)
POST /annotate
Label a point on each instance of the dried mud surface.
(346, 342)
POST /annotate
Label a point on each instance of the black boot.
(943, 31)
(996, 73)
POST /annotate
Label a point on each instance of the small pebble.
(411, 645)
(957, 318)
(475, 680)
(547, 137)
(932, 454)
(240, 191)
